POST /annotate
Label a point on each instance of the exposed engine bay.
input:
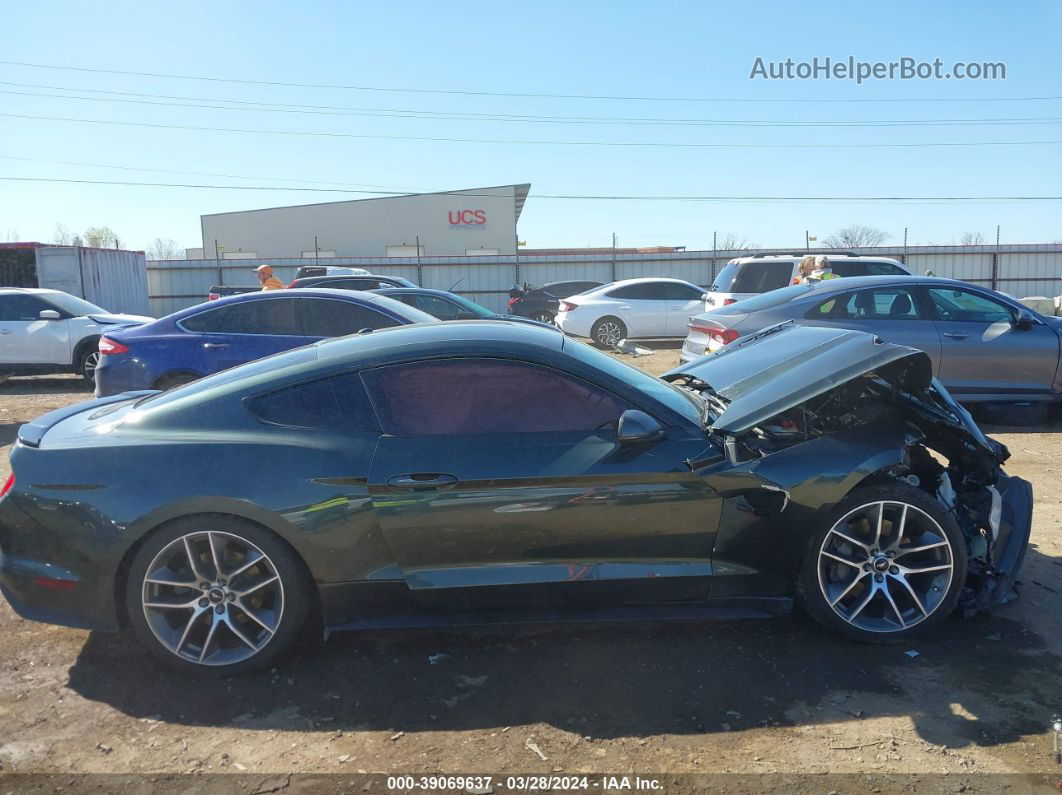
(945, 455)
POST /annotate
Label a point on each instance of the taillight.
(567, 306)
(108, 346)
(512, 301)
(721, 335)
(213, 296)
(729, 301)
(7, 485)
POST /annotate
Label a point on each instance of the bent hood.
(783, 366)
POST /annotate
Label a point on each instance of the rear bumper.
(122, 373)
(51, 579)
(695, 346)
(570, 324)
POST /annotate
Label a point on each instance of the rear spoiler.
(31, 433)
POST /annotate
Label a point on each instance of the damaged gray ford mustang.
(466, 473)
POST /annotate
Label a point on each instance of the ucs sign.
(467, 217)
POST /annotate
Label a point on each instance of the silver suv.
(745, 277)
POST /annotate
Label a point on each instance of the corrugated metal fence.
(1021, 270)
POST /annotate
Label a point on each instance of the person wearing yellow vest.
(267, 279)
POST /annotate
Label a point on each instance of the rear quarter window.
(334, 404)
(866, 268)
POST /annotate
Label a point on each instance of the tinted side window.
(964, 305)
(434, 305)
(269, 316)
(649, 291)
(326, 317)
(871, 268)
(353, 284)
(565, 289)
(888, 303)
(338, 403)
(760, 277)
(21, 307)
(465, 396)
(681, 292)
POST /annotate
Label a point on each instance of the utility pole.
(715, 247)
(517, 260)
(613, 256)
(807, 240)
(905, 245)
(316, 257)
(995, 262)
(420, 270)
(217, 262)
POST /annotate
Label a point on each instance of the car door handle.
(955, 335)
(623, 306)
(421, 480)
(213, 346)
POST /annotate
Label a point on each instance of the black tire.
(822, 575)
(88, 356)
(220, 647)
(542, 316)
(171, 380)
(608, 331)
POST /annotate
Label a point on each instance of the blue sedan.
(215, 336)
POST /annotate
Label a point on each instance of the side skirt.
(721, 608)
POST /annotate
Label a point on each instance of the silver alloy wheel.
(88, 367)
(542, 317)
(608, 332)
(885, 566)
(213, 598)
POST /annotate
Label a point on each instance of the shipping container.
(113, 279)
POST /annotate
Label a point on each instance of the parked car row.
(462, 472)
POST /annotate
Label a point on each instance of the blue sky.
(689, 50)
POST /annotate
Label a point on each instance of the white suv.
(48, 331)
(635, 308)
(745, 277)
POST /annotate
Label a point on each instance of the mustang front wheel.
(216, 595)
(890, 563)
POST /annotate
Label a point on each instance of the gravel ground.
(771, 696)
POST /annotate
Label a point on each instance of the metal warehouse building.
(477, 221)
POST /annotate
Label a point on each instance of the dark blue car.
(214, 336)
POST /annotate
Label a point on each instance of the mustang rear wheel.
(889, 563)
(216, 595)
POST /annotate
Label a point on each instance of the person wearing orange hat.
(267, 279)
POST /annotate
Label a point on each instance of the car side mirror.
(49, 314)
(1023, 322)
(637, 427)
(704, 296)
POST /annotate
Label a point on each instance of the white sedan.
(49, 331)
(633, 308)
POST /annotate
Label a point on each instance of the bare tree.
(63, 236)
(856, 236)
(101, 237)
(11, 235)
(731, 242)
(971, 239)
(165, 248)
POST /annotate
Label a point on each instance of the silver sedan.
(984, 346)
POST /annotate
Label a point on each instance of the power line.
(802, 199)
(396, 113)
(523, 95)
(440, 139)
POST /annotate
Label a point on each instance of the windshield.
(472, 306)
(72, 305)
(678, 400)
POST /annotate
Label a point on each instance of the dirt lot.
(750, 697)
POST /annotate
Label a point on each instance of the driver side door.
(502, 483)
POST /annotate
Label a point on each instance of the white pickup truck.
(48, 331)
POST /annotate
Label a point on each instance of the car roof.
(32, 290)
(354, 296)
(645, 280)
(831, 257)
(429, 338)
(403, 290)
(855, 282)
(336, 277)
